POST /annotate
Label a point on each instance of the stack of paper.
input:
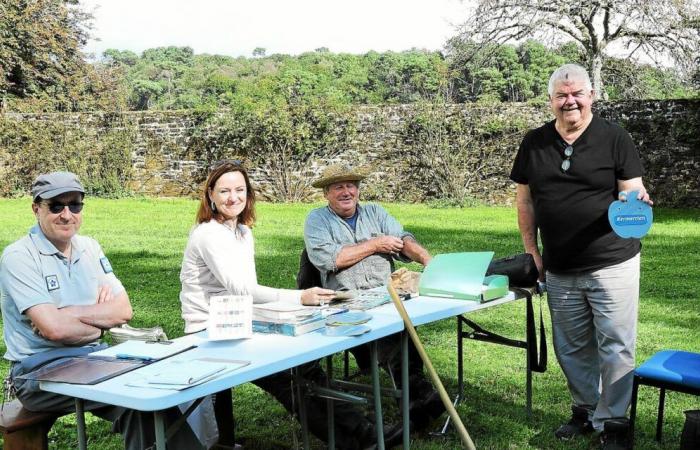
(283, 312)
(286, 318)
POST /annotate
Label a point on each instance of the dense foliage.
(100, 155)
(176, 78)
(43, 68)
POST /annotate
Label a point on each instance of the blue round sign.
(630, 219)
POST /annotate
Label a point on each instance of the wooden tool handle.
(459, 426)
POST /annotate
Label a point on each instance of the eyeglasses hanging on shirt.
(566, 164)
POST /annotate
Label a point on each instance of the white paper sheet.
(230, 317)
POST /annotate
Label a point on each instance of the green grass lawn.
(144, 239)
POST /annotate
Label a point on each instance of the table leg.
(377, 396)
(301, 396)
(159, 424)
(405, 400)
(330, 405)
(460, 358)
(460, 377)
(80, 418)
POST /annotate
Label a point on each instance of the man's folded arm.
(352, 254)
(59, 326)
(103, 315)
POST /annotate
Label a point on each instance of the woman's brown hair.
(205, 212)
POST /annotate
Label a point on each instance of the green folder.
(461, 276)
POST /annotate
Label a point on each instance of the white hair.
(569, 72)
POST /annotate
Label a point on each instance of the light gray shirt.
(34, 272)
(325, 234)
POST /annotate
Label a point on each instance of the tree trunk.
(596, 69)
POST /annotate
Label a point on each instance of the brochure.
(230, 317)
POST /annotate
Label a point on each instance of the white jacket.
(219, 260)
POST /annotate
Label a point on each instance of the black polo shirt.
(571, 208)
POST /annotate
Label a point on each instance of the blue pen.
(138, 357)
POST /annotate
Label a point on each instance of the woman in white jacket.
(219, 259)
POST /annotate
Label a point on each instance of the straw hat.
(337, 173)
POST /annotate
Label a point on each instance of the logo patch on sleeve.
(106, 266)
(52, 283)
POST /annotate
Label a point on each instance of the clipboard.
(100, 366)
(83, 369)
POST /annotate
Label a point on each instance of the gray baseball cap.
(49, 185)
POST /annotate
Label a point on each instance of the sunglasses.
(57, 208)
(566, 164)
(224, 162)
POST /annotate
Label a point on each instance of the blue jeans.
(594, 324)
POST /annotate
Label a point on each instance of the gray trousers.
(594, 324)
(136, 426)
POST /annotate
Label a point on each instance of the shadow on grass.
(667, 215)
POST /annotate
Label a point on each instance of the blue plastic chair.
(668, 369)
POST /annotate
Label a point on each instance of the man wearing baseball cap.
(354, 247)
(58, 294)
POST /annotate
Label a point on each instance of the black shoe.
(425, 410)
(616, 434)
(393, 436)
(368, 438)
(578, 425)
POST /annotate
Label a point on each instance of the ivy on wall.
(101, 157)
(449, 154)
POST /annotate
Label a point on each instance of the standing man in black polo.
(568, 172)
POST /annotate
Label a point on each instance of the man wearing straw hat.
(354, 247)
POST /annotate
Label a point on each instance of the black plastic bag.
(520, 269)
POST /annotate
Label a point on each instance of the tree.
(120, 57)
(656, 29)
(40, 46)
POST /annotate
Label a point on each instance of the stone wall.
(667, 134)
(412, 154)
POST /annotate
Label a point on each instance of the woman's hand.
(316, 296)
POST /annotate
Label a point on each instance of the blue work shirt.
(34, 272)
(326, 233)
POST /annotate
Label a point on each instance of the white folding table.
(267, 353)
